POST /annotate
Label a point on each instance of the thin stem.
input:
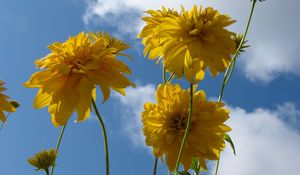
(164, 75)
(3, 122)
(241, 43)
(230, 70)
(58, 145)
(187, 130)
(104, 136)
(155, 166)
(47, 171)
(164, 82)
(217, 166)
(171, 77)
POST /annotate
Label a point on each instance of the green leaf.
(184, 173)
(195, 164)
(228, 139)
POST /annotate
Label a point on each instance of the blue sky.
(263, 95)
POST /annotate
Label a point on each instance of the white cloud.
(289, 113)
(125, 16)
(274, 38)
(267, 60)
(265, 141)
(273, 34)
(131, 107)
(265, 144)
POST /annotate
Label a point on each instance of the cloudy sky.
(263, 94)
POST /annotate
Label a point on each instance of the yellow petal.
(6, 106)
(2, 117)
(84, 108)
(41, 100)
(105, 91)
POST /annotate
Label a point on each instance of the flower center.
(178, 122)
(75, 67)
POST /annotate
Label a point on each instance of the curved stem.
(104, 136)
(228, 76)
(230, 70)
(155, 166)
(58, 145)
(187, 130)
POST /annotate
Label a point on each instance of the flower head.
(164, 125)
(190, 41)
(5, 105)
(70, 73)
(238, 39)
(152, 43)
(44, 159)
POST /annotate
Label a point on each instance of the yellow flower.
(69, 75)
(190, 41)
(152, 43)
(164, 125)
(44, 159)
(5, 105)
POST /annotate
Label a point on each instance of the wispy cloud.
(131, 107)
(265, 141)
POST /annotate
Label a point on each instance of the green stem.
(58, 145)
(164, 82)
(187, 130)
(164, 75)
(155, 166)
(171, 77)
(217, 166)
(230, 70)
(47, 171)
(104, 136)
(241, 43)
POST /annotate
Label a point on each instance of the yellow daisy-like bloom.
(152, 43)
(69, 75)
(190, 41)
(5, 105)
(164, 126)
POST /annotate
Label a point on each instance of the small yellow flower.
(43, 160)
(5, 105)
(190, 41)
(164, 125)
(70, 73)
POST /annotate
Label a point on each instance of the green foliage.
(229, 140)
(184, 173)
